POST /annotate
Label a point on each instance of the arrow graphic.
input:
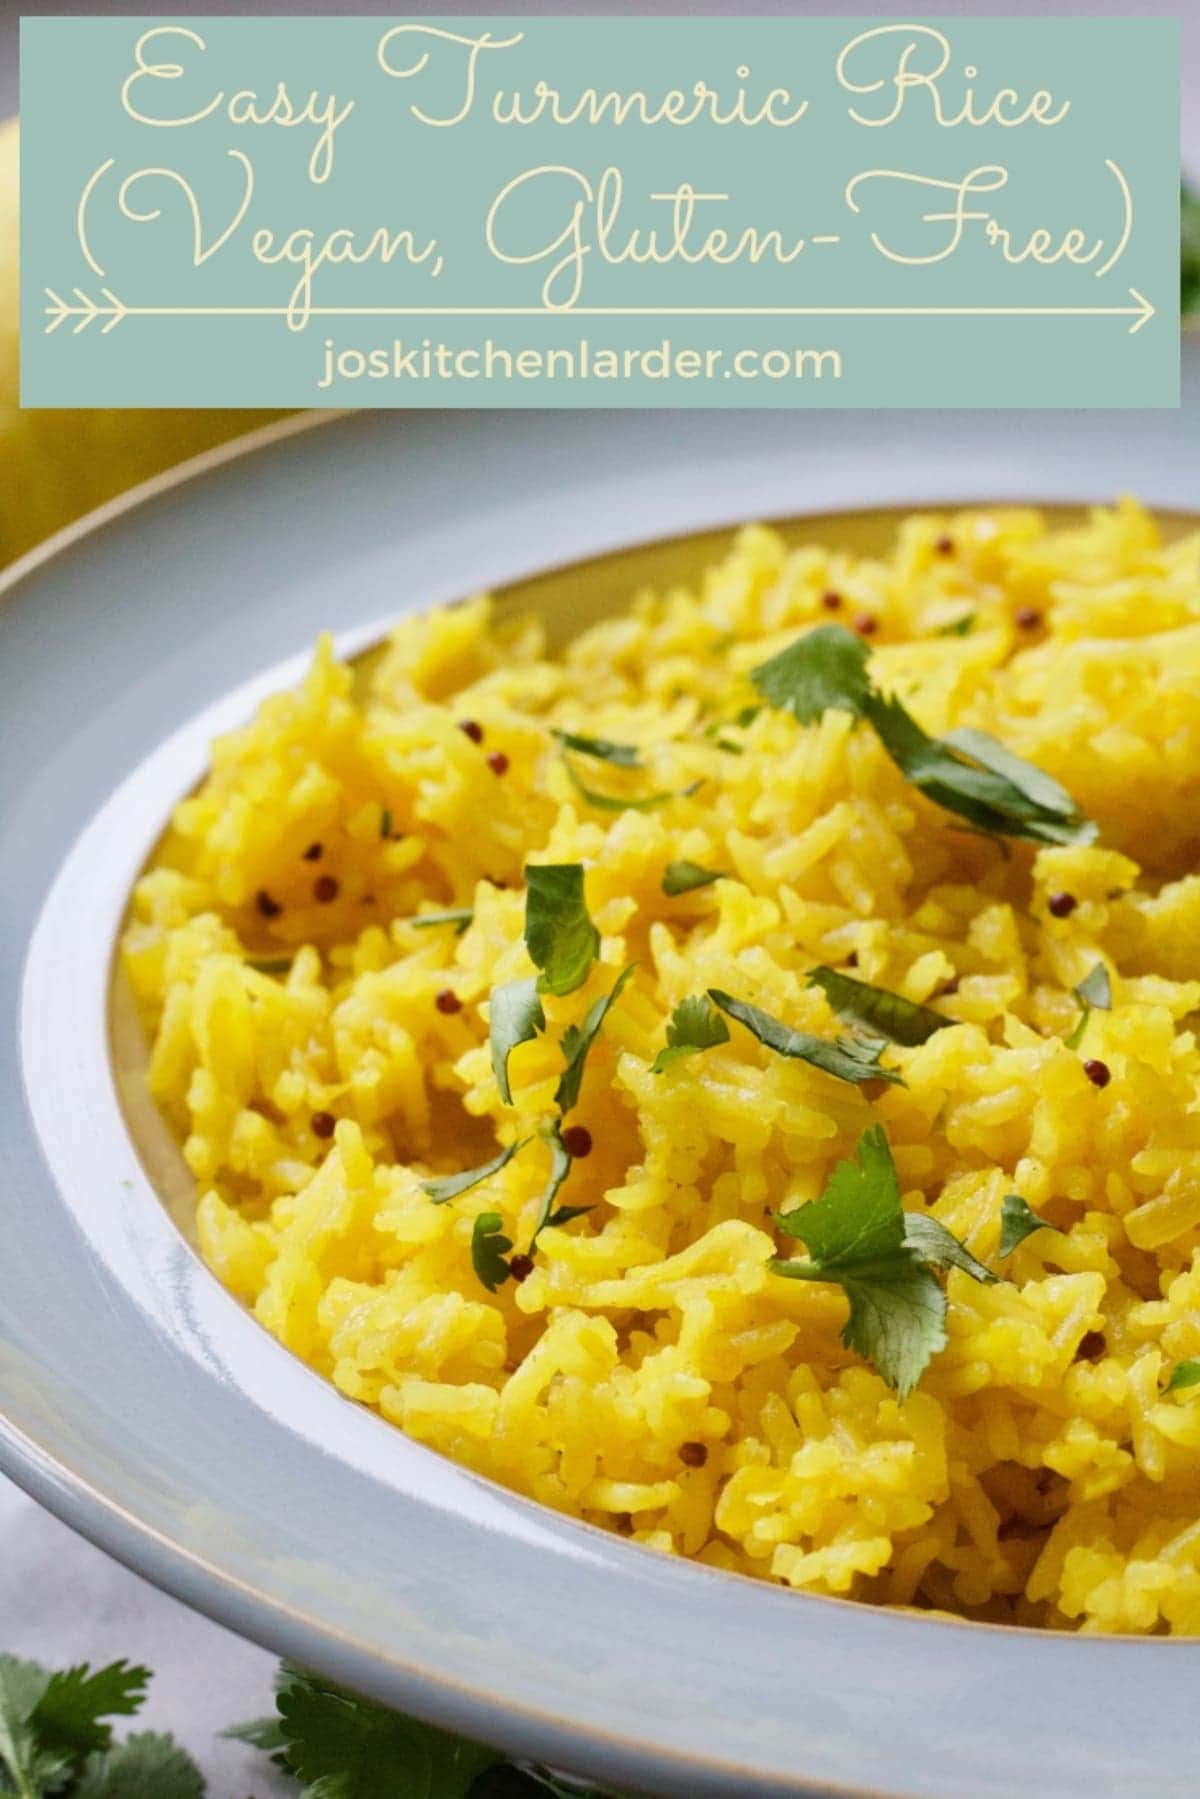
(87, 311)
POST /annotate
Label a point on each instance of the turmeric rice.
(317, 943)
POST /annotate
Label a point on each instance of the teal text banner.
(599, 212)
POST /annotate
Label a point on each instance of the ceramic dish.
(142, 1404)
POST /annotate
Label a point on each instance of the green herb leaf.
(577, 1041)
(1189, 257)
(1183, 1374)
(625, 755)
(560, 1168)
(824, 669)
(559, 934)
(385, 823)
(460, 916)
(449, 1186)
(970, 774)
(1018, 1220)
(69, 1715)
(940, 1248)
(612, 802)
(145, 1766)
(859, 1236)
(883, 1013)
(1095, 989)
(270, 964)
(695, 1024)
(849, 1058)
(855, 1234)
(489, 1247)
(966, 772)
(961, 627)
(342, 1747)
(22, 1759)
(516, 1017)
(685, 877)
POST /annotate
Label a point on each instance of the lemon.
(56, 465)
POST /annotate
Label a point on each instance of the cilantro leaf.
(859, 1236)
(940, 1248)
(145, 1766)
(883, 1013)
(612, 802)
(625, 755)
(1018, 1220)
(685, 877)
(69, 1716)
(694, 1025)
(1095, 989)
(344, 1747)
(967, 772)
(270, 964)
(489, 1247)
(516, 1017)
(970, 774)
(824, 669)
(848, 1058)
(560, 1168)
(960, 627)
(31, 1769)
(559, 934)
(577, 1041)
(1189, 255)
(449, 1186)
(460, 916)
(1183, 1374)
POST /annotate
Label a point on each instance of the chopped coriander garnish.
(460, 916)
(967, 772)
(695, 1024)
(730, 747)
(825, 668)
(270, 964)
(1094, 992)
(516, 1017)
(1095, 989)
(559, 934)
(578, 1040)
(560, 1168)
(685, 877)
(859, 1236)
(883, 1013)
(849, 1058)
(1018, 1220)
(449, 1186)
(625, 755)
(385, 823)
(489, 1248)
(611, 802)
(960, 627)
(1183, 1374)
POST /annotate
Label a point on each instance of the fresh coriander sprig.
(695, 1024)
(1018, 1220)
(879, 1011)
(1183, 1375)
(854, 1059)
(967, 772)
(859, 1236)
(1094, 993)
(56, 1738)
(559, 934)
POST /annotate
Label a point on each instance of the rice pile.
(320, 1056)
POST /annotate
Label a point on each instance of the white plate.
(139, 1401)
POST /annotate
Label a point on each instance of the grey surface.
(62, 1599)
(247, 1485)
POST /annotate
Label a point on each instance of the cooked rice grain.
(1021, 1482)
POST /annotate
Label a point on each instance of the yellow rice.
(1022, 1481)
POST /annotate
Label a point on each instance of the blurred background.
(56, 465)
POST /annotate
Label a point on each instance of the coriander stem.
(797, 1268)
